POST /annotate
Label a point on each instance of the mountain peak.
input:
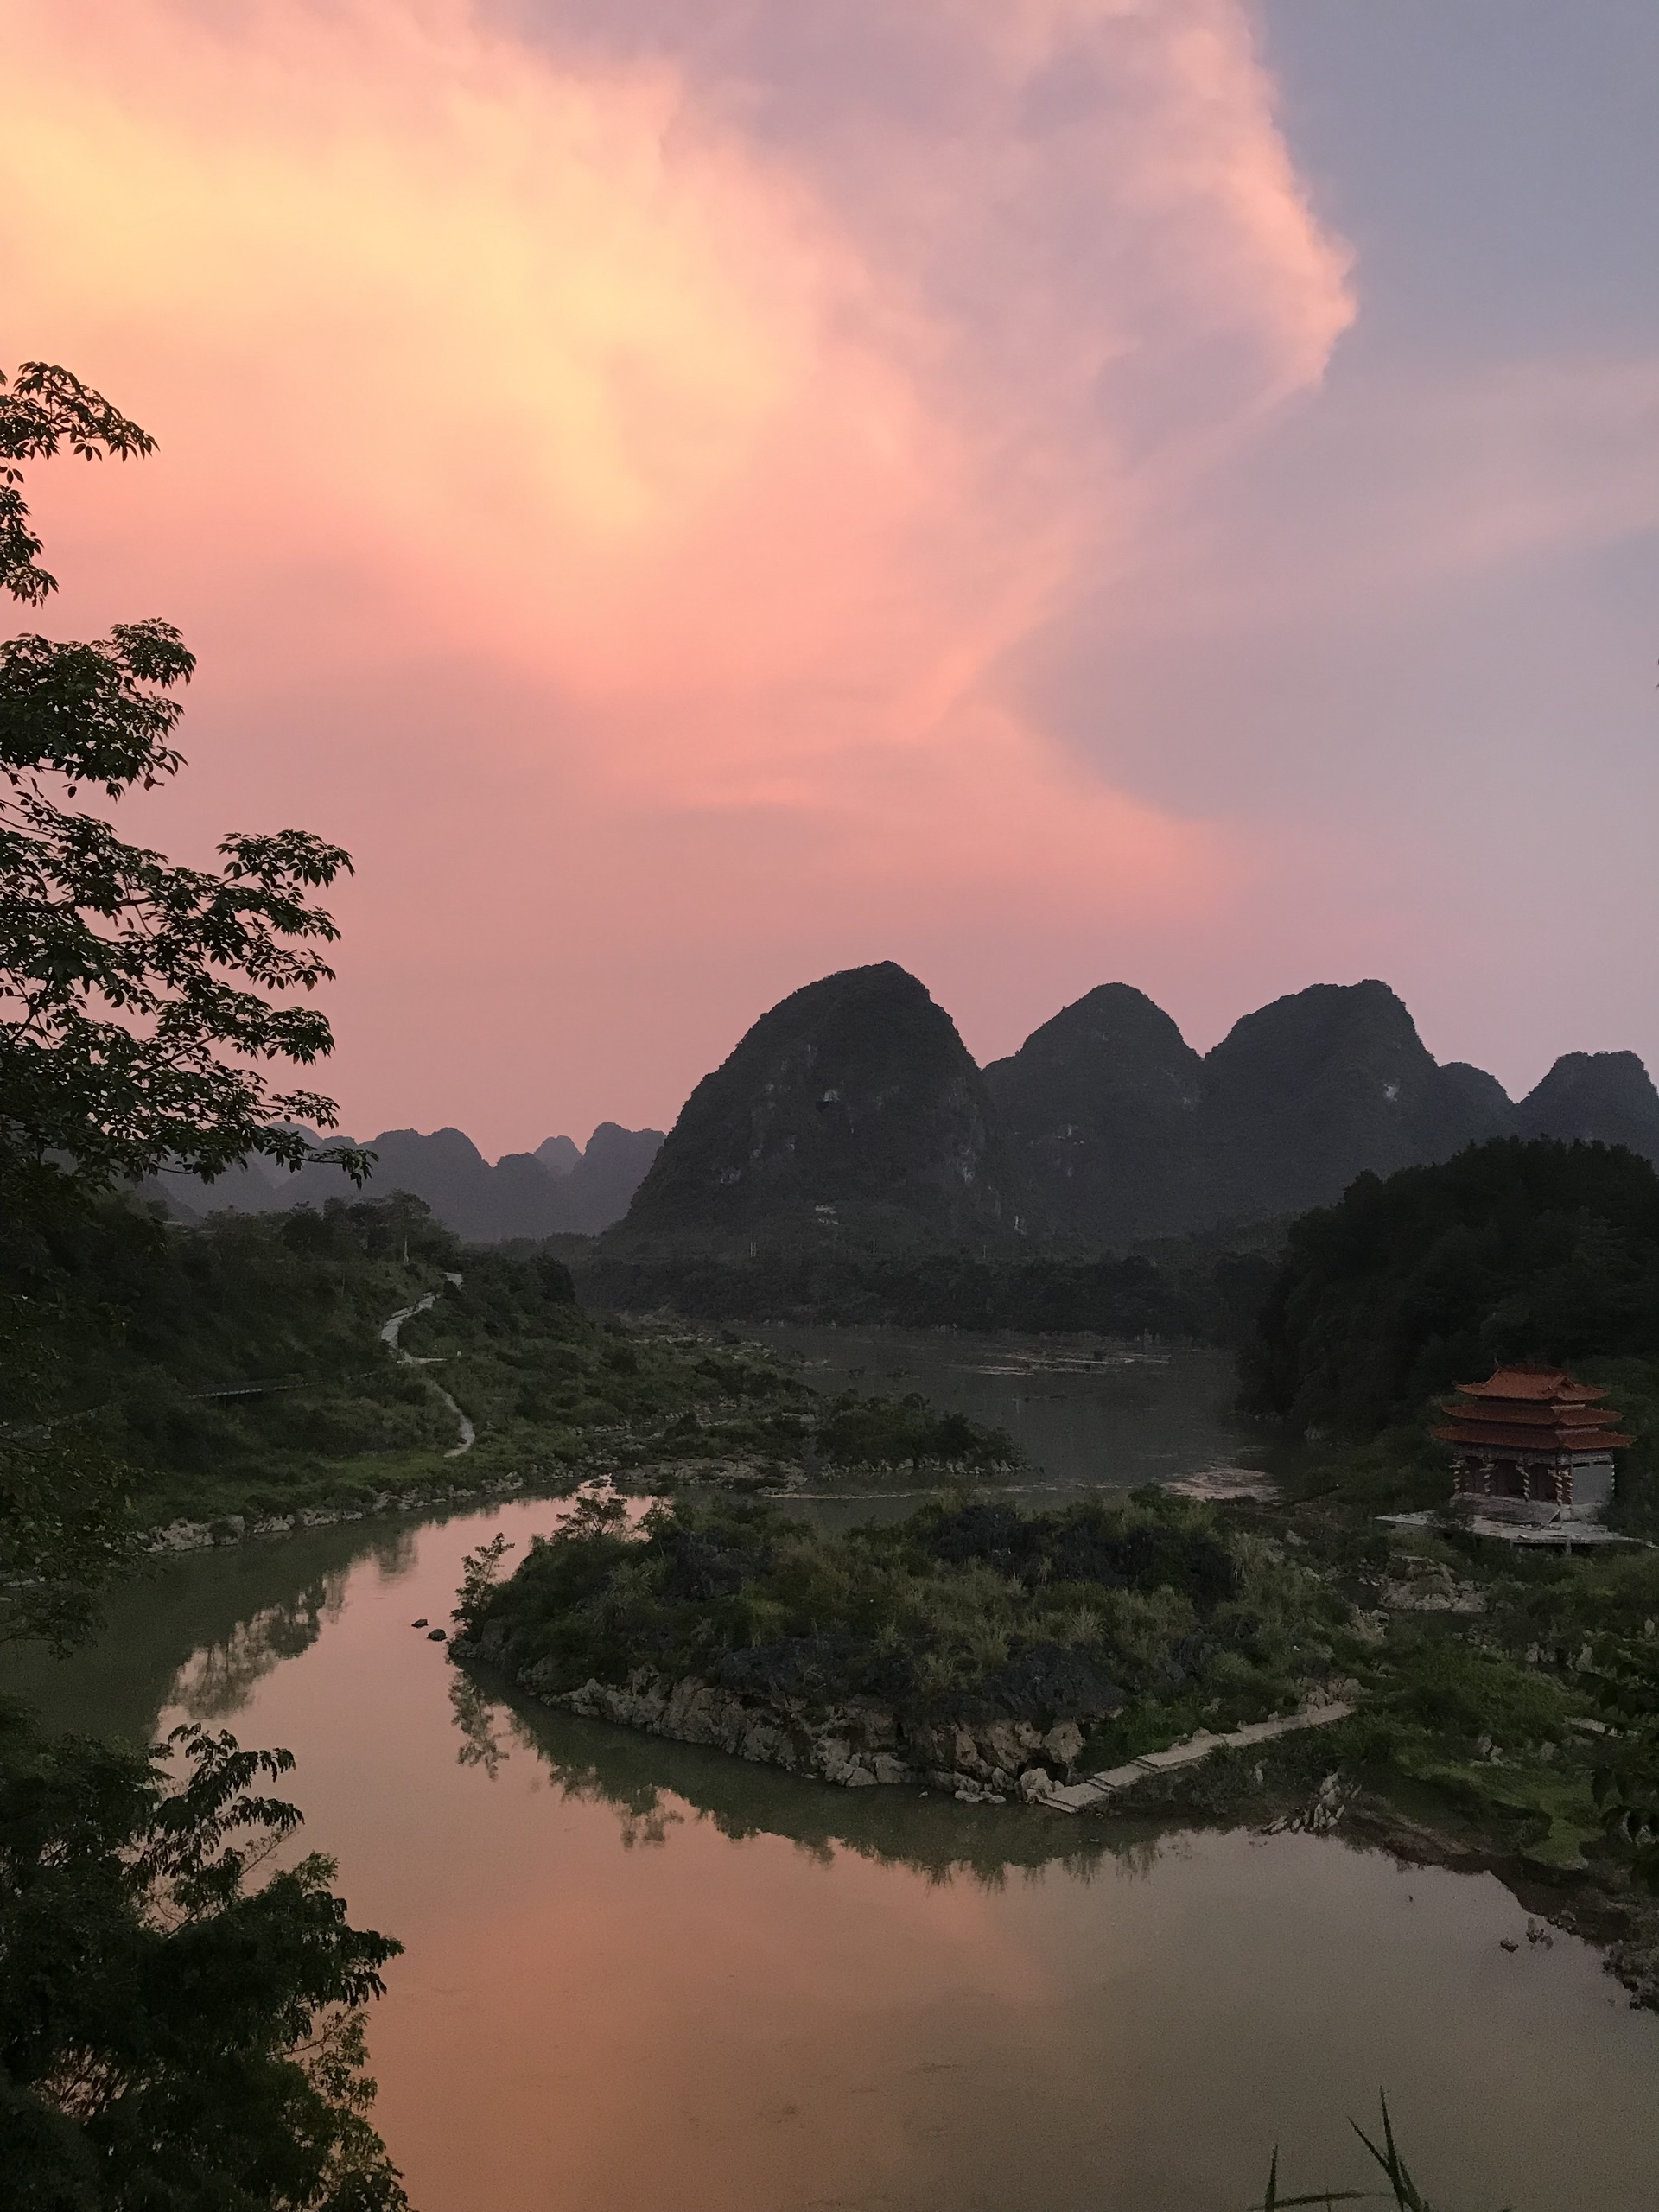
(1099, 1101)
(1607, 1096)
(852, 1107)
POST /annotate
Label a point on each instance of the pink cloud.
(609, 474)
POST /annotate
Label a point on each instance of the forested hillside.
(238, 1366)
(1411, 1284)
(1207, 1290)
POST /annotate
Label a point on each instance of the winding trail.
(389, 1332)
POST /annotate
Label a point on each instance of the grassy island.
(971, 1644)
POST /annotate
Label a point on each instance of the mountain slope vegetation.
(1414, 1282)
(238, 1367)
(851, 1111)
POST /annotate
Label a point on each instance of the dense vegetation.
(1412, 1284)
(1481, 1674)
(236, 1367)
(971, 1611)
(1187, 1289)
(171, 2038)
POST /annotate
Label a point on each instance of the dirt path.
(389, 1332)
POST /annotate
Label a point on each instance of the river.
(644, 1978)
(1085, 1413)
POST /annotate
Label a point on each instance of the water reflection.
(218, 1679)
(641, 1974)
(651, 1784)
(200, 1633)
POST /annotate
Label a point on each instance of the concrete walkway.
(1099, 1789)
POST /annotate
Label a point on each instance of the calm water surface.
(1085, 1414)
(642, 1978)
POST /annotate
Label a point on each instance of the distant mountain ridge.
(852, 1111)
(558, 1190)
(852, 1117)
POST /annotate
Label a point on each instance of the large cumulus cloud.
(614, 452)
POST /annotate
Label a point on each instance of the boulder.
(1063, 1743)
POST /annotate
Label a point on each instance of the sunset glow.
(633, 489)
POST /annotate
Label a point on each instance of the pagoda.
(1533, 1444)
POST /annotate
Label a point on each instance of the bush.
(965, 1611)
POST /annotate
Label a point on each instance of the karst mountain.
(852, 1113)
(560, 1189)
(853, 1117)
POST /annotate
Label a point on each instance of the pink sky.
(691, 508)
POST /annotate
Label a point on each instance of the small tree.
(1626, 1684)
(137, 998)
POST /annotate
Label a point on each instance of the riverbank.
(1001, 1656)
(1307, 1774)
(985, 1964)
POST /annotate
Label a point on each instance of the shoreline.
(1012, 1763)
(666, 1478)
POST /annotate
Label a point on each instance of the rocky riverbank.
(854, 1745)
(181, 1536)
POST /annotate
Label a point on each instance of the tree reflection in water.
(218, 1679)
(653, 1785)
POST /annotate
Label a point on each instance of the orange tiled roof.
(1497, 1436)
(1532, 1383)
(1531, 1410)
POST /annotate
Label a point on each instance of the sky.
(1048, 491)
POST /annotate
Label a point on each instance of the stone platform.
(1099, 1789)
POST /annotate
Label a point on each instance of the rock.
(1037, 1785)
(833, 1754)
(182, 1536)
(877, 1729)
(965, 1753)
(927, 1746)
(419, 1624)
(437, 1636)
(1002, 1749)
(763, 1741)
(1063, 1742)
(888, 1769)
